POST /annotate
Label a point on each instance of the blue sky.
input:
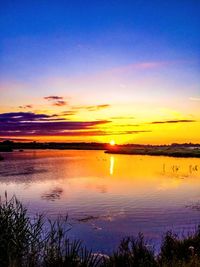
(119, 53)
(73, 37)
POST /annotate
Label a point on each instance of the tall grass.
(37, 242)
(32, 243)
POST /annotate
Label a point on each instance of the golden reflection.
(112, 162)
(76, 175)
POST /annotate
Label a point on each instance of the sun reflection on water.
(112, 163)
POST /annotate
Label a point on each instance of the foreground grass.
(26, 242)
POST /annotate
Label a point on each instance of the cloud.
(86, 132)
(60, 103)
(14, 117)
(31, 124)
(146, 65)
(68, 113)
(92, 108)
(17, 139)
(21, 124)
(26, 106)
(53, 97)
(194, 98)
(97, 107)
(123, 118)
(56, 100)
(171, 121)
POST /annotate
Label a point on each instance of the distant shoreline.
(187, 150)
(9, 146)
(183, 152)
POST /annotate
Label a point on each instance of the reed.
(38, 242)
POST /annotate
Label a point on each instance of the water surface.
(106, 196)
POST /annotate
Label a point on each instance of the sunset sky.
(102, 70)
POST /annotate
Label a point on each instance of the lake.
(106, 196)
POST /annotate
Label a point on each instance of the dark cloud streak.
(56, 100)
(53, 97)
(26, 106)
(91, 108)
(60, 103)
(171, 121)
(28, 123)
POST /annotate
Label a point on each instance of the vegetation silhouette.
(173, 150)
(38, 242)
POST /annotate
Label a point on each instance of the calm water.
(106, 196)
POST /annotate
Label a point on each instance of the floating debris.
(194, 206)
(88, 218)
(53, 195)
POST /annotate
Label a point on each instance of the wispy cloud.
(68, 113)
(146, 65)
(92, 107)
(59, 103)
(15, 117)
(122, 118)
(26, 106)
(97, 107)
(56, 100)
(171, 121)
(194, 98)
(53, 97)
(86, 132)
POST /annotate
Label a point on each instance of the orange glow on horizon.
(124, 124)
